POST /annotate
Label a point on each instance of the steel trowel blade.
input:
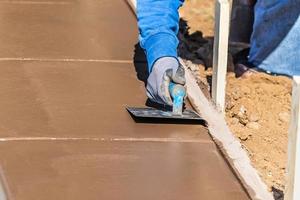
(160, 114)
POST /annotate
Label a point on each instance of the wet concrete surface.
(67, 29)
(66, 77)
(77, 99)
(116, 170)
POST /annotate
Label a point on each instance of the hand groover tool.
(177, 93)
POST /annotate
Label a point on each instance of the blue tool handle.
(177, 93)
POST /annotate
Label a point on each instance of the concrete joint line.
(37, 2)
(170, 140)
(67, 60)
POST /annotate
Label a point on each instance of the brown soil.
(200, 15)
(257, 107)
(257, 111)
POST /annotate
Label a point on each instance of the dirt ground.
(200, 15)
(257, 108)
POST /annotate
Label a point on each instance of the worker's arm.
(158, 22)
(158, 25)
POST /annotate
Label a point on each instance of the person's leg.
(241, 26)
(276, 34)
(242, 18)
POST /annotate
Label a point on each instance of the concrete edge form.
(292, 191)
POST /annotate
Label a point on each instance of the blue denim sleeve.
(158, 26)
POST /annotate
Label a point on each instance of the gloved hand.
(164, 71)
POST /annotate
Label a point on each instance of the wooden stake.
(293, 168)
(222, 22)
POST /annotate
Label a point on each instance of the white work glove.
(164, 71)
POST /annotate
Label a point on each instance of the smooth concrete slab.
(78, 99)
(71, 170)
(76, 29)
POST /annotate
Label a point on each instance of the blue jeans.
(275, 41)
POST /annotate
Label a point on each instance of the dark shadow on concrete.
(140, 64)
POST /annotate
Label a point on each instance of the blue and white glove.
(164, 71)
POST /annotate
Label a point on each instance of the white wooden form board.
(222, 22)
(293, 169)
